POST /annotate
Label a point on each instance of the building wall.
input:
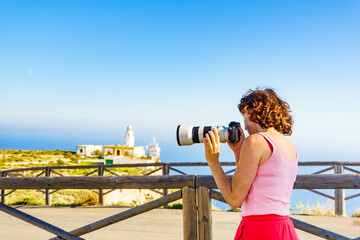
(139, 152)
(108, 151)
(81, 151)
(87, 150)
(124, 151)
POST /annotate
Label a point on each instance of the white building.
(128, 150)
(118, 150)
(154, 149)
(88, 150)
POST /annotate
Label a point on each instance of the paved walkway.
(159, 224)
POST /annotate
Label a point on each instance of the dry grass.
(323, 210)
(356, 213)
(11, 159)
(129, 198)
(60, 198)
(316, 209)
(25, 197)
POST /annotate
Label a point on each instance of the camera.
(188, 135)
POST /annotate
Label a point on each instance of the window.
(81, 150)
(118, 152)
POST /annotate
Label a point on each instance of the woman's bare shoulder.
(254, 142)
(253, 150)
(254, 139)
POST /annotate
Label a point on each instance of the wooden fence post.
(3, 191)
(339, 194)
(165, 171)
(204, 214)
(47, 191)
(101, 194)
(189, 213)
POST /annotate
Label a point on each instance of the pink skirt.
(266, 227)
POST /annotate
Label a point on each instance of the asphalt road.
(159, 224)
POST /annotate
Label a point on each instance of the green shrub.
(60, 162)
(58, 204)
(234, 210)
(74, 158)
(58, 152)
(175, 206)
(34, 156)
(98, 153)
(17, 159)
(27, 201)
(16, 151)
(68, 155)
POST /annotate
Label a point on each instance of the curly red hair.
(267, 109)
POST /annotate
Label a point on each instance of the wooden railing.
(196, 192)
(103, 170)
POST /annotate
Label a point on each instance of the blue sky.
(78, 72)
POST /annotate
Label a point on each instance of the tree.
(68, 155)
(98, 153)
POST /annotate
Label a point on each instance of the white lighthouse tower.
(129, 137)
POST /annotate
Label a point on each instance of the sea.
(171, 152)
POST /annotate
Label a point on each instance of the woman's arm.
(251, 151)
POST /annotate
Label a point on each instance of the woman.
(266, 167)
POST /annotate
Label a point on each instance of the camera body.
(188, 135)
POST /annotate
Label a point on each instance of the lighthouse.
(129, 137)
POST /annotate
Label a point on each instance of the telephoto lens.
(188, 135)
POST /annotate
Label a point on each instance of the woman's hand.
(236, 146)
(212, 146)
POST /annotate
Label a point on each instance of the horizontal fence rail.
(105, 182)
(325, 181)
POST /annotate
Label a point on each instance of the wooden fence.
(167, 168)
(196, 192)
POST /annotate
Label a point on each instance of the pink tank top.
(272, 187)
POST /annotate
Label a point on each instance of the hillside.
(15, 159)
